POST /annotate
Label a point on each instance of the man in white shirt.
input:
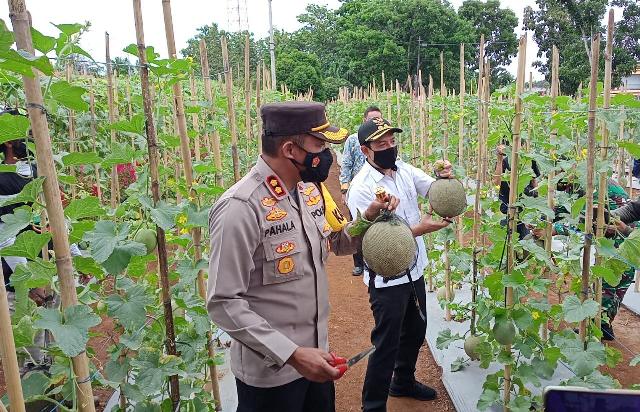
(400, 327)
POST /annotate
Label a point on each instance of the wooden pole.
(195, 121)
(258, 104)
(591, 148)
(603, 175)
(115, 190)
(46, 168)
(231, 113)
(555, 90)
(513, 195)
(461, 120)
(196, 233)
(155, 190)
(72, 133)
(398, 114)
(247, 97)
(94, 136)
(215, 141)
(8, 354)
(445, 120)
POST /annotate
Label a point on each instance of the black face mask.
(386, 159)
(316, 166)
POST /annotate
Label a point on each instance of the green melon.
(148, 238)
(471, 346)
(441, 294)
(504, 332)
(447, 197)
(388, 247)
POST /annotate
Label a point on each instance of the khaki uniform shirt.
(267, 282)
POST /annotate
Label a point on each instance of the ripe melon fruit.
(388, 246)
(471, 346)
(441, 294)
(148, 238)
(504, 331)
(447, 197)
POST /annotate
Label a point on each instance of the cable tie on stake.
(37, 106)
(85, 380)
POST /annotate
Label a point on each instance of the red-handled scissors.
(342, 364)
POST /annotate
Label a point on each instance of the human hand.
(313, 364)
(428, 225)
(381, 202)
(443, 169)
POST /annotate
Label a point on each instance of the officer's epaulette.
(276, 187)
(245, 187)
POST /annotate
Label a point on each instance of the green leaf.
(130, 308)
(164, 215)
(33, 274)
(86, 207)
(632, 148)
(23, 332)
(69, 96)
(445, 338)
(488, 398)
(15, 222)
(120, 154)
(199, 218)
(71, 331)
(87, 265)
(80, 158)
(104, 238)
(607, 274)
(35, 384)
(520, 404)
(13, 127)
(116, 369)
(78, 229)
(635, 361)
(69, 28)
(154, 370)
(458, 364)
(578, 206)
(28, 194)
(576, 311)
(582, 362)
(41, 42)
(121, 256)
(23, 62)
(135, 125)
(6, 36)
(514, 279)
(28, 244)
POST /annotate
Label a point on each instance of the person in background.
(502, 166)
(399, 303)
(268, 288)
(352, 161)
(15, 152)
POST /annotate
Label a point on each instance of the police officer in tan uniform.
(270, 236)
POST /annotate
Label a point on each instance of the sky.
(116, 17)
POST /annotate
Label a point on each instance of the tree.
(569, 25)
(235, 45)
(497, 25)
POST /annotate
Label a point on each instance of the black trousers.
(358, 260)
(300, 395)
(398, 333)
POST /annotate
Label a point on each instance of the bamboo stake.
(196, 233)
(195, 121)
(258, 104)
(602, 184)
(115, 190)
(231, 114)
(247, 96)
(398, 114)
(461, 134)
(555, 90)
(155, 190)
(130, 106)
(8, 354)
(445, 120)
(591, 147)
(46, 168)
(94, 135)
(513, 189)
(72, 134)
(429, 117)
(412, 125)
(215, 149)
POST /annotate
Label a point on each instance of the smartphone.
(577, 399)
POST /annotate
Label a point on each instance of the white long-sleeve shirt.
(406, 184)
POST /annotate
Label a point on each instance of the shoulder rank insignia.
(309, 190)
(275, 214)
(268, 201)
(286, 265)
(276, 187)
(285, 247)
